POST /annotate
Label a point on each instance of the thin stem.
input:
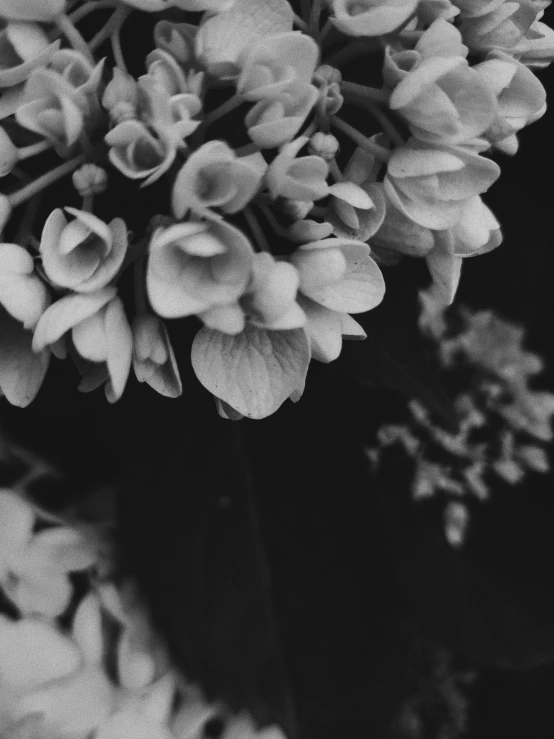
(90, 7)
(380, 116)
(74, 37)
(327, 28)
(247, 149)
(335, 171)
(351, 90)
(358, 138)
(34, 187)
(88, 203)
(256, 229)
(273, 222)
(302, 25)
(33, 149)
(115, 39)
(227, 107)
(117, 19)
(314, 17)
(306, 9)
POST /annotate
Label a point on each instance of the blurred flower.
(153, 357)
(34, 568)
(495, 25)
(196, 266)
(214, 177)
(84, 254)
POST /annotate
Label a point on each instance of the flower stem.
(306, 9)
(74, 37)
(314, 18)
(139, 282)
(256, 229)
(227, 107)
(117, 19)
(377, 112)
(335, 171)
(273, 222)
(302, 25)
(352, 91)
(115, 39)
(358, 138)
(36, 186)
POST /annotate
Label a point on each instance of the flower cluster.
(504, 424)
(59, 644)
(273, 217)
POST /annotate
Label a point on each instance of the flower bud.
(120, 96)
(90, 180)
(8, 154)
(325, 74)
(324, 145)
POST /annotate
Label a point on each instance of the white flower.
(431, 185)
(22, 292)
(24, 47)
(214, 177)
(99, 330)
(196, 266)
(297, 178)
(273, 64)
(275, 121)
(326, 330)
(153, 357)
(84, 254)
(339, 274)
(34, 567)
(444, 100)
(42, 11)
(371, 17)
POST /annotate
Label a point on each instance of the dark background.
(286, 577)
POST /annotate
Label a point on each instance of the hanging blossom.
(59, 680)
(219, 177)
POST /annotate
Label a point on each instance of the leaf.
(254, 371)
(394, 355)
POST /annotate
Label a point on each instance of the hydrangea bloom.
(238, 114)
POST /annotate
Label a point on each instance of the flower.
(270, 298)
(100, 333)
(22, 293)
(273, 64)
(496, 25)
(195, 266)
(371, 18)
(214, 177)
(339, 274)
(42, 11)
(326, 330)
(23, 46)
(84, 254)
(34, 567)
(153, 357)
(223, 37)
(444, 100)
(520, 96)
(431, 185)
(297, 178)
(274, 122)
